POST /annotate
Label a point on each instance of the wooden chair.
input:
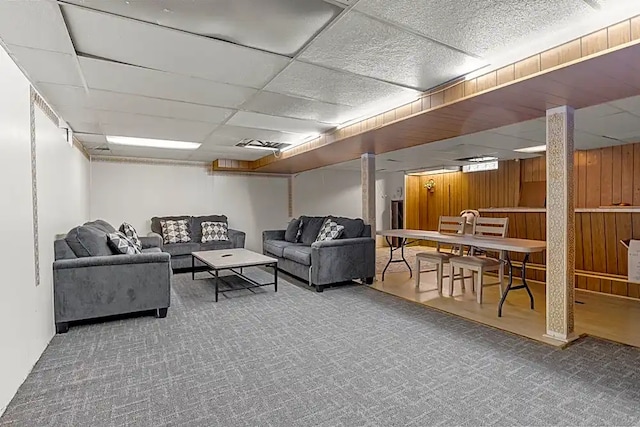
(496, 227)
(446, 224)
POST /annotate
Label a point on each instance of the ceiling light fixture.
(477, 167)
(534, 149)
(437, 171)
(152, 143)
(482, 159)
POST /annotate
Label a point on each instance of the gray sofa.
(89, 281)
(181, 252)
(353, 256)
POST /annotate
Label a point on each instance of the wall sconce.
(430, 186)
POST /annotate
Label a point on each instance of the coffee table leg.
(193, 267)
(217, 285)
(275, 276)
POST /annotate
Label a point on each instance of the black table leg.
(510, 286)
(403, 242)
(217, 279)
(275, 276)
(193, 267)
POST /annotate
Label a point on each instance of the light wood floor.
(599, 315)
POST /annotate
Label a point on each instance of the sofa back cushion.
(290, 235)
(196, 225)
(62, 250)
(101, 225)
(310, 228)
(87, 240)
(352, 227)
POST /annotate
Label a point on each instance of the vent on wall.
(262, 145)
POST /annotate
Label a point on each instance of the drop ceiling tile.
(111, 76)
(281, 26)
(283, 124)
(84, 127)
(596, 111)
(126, 103)
(315, 82)
(479, 26)
(368, 47)
(502, 142)
(231, 135)
(528, 127)
(74, 115)
(616, 125)
(289, 106)
(631, 105)
(149, 153)
(61, 95)
(138, 43)
(36, 24)
(47, 66)
(89, 139)
(138, 125)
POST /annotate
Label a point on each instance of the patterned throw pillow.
(330, 230)
(128, 230)
(175, 231)
(214, 231)
(299, 232)
(120, 244)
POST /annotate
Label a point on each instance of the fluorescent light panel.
(477, 167)
(483, 159)
(444, 169)
(534, 149)
(152, 143)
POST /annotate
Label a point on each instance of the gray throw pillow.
(292, 231)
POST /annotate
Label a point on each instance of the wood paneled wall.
(602, 177)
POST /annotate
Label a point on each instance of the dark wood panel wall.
(602, 177)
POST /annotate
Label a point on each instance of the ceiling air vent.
(262, 145)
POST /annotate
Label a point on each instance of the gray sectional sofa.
(181, 252)
(89, 281)
(352, 256)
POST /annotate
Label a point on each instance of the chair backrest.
(496, 227)
(451, 225)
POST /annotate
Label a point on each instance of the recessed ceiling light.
(534, 149)
(482, 159)
(152, 143)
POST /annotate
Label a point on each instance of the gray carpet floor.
(350, 356)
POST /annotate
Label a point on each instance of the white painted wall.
(338, 192)
(26, 311)
(135, 192)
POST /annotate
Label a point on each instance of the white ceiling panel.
(135, 104)
(523, 128)
(368, 47)
(91, 140)
(36, 24)
(61, 95)
(315, 82)
(86, 127)
(47, 66)
(283, 124)
(138, 125)
(74, 115)
(231, 135)
(149, 153)
(151, 46)
(281, 26)
(479, 26)
(588, 141)
(619, 125)
(111, 76)
(284, 105)
(631, 105)
(226, 153)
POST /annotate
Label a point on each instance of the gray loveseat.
(352, 256)
(181, 252)
(89, 281)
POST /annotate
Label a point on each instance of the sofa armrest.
(152, 240)
(344, 242)
(340, 260)
(96, 261)
(237, 238)
(273, 235)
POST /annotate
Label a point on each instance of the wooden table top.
(493, 243)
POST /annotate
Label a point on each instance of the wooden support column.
(560, 224)
(368, 180)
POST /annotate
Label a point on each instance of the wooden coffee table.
(234, 260)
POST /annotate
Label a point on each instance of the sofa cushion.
(121, 244)
(175, 231)
(131, 233)
(87, 241)
(176, 249)
(216, 244)
(101, 225)
(352, 227)
(276, 247)
(292, 230)
(298, 253)
(214, 231)
(196, 224)
(151, 250)
(310, 227)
